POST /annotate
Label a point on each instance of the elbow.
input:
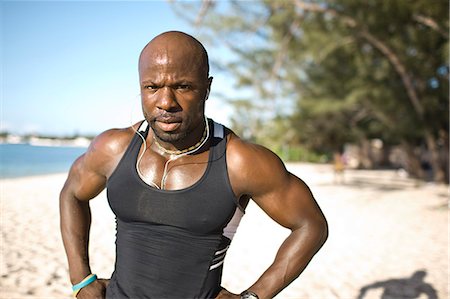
(65, 197)
(314, 231)
(319, 228)
(323, 232)
(320, 224)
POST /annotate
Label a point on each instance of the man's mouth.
(168, 123)
(168, 127)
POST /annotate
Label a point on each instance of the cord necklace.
(175, 154)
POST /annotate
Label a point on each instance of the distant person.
(178, 184)
(409, 288)
(338, 167)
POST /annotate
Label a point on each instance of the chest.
(173, 172)
(202, 205)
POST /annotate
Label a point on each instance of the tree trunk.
(365, 156)
(444, 154)
(413, 163)
(435, 161)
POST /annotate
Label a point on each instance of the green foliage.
(331, 72)
(299, 153)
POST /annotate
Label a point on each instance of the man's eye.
(183, 86)
(151, 87)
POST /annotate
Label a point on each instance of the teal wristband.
(84, 283)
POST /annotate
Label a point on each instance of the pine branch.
(378, 44)
(429, 22)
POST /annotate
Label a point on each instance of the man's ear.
(208, 88)
(210, 80)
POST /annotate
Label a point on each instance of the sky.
(71, 67)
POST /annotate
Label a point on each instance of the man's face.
(174, 88)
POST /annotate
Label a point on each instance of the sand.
(383, 228)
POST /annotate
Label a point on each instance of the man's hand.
(224, 294)
(96, 290)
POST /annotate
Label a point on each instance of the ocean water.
(18, 160)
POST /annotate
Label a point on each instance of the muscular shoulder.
(89, 174)
(252, 168)
(106, 150)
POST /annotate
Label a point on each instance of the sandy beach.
(384, 230)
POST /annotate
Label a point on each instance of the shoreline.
(34, 176)
(46, 142)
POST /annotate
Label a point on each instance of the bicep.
(258, 173)
(289, 202)
(281, 194)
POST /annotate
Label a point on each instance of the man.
(178, 184)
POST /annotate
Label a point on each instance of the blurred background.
(311, 80)
(352, 95)
(367, 79)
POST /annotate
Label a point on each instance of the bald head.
(175, 49)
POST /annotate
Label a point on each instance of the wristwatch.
(248, 295)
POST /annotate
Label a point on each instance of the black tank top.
(172, 243)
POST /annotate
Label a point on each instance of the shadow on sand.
(402, 288)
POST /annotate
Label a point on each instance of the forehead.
(176, 57)
(158, 63)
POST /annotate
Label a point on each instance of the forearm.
(75, 220)
(292, 258)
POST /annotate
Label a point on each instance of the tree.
(345, 70)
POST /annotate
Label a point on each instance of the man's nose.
(167, 100)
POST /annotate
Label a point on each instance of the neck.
(185, 150)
